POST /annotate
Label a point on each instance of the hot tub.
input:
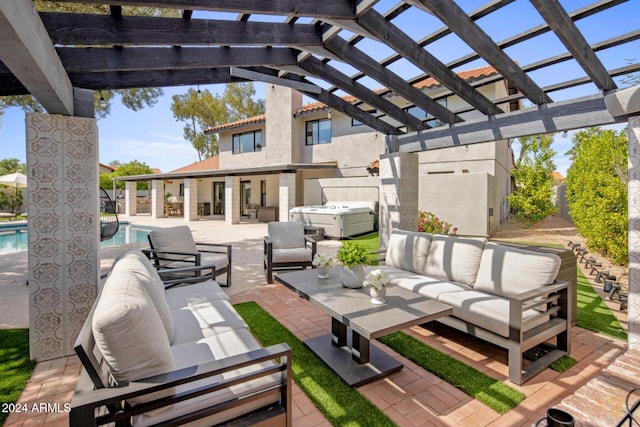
(339, 219)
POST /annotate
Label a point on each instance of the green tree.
(134, 99)
(12, 165)
(597, 191)
(532, 199)
(125, 169)
(201, 110)
(9, 197)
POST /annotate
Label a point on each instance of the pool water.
(15, 239)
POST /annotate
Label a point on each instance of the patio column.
(231, 199)
(634, 233)
(62, 159)
(190, 205)
(287, 195)
(157, 198)
(130, 198)
(399, 193)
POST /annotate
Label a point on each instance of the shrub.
(352, 253)
(428, 222)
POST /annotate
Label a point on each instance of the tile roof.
(204, 165)
(429, 82)
(239, 123)
(557, 176)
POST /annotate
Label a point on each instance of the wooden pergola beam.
(93, 30)
(152, 78)
(77, 60)
(566, 30)
(354, 56)
(27, 51)
(334, 9)
(326, 72)
(395, 38)
(460, 23)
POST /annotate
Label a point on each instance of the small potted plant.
(322, 262)
(377, 280)
(353, 256)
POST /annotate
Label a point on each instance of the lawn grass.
(493, 393)
(372, 242)
(16, 367)
(339, 403)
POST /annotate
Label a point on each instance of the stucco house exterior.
(308, 154)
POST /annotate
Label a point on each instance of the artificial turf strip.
(339, 403)
(594, 314)
(15, 366)
(493, 393)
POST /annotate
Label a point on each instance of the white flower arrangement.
(377, 279)
(322, 260)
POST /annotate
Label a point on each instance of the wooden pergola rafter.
(303, 46)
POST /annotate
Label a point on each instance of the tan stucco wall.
(319, 191)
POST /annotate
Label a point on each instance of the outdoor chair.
(287, 248)
(174, 247)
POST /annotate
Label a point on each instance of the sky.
(153, 136)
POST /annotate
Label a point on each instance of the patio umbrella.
(17, 180)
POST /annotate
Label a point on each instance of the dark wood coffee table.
(352, 356)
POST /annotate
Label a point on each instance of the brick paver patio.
(411, 397)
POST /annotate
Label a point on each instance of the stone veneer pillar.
(398, 194)
(190, 205)
(634, 233)
(231, 199)
(131, 198)
(287, 195)
(62, 160)
(157, 198)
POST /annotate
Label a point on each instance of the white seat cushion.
(206, 350)
(205, 319)
(286, 235)
(508, 271)
(486, 311)
(195, 293)
(291, 255)
(454, 258)
(408, 250)
(429, 287)
(218, 260)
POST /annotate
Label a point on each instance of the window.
(421, 114)
(263, 192)
(247, 142)
(318, 132)
(356, 122)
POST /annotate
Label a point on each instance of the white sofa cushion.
(487, 311)
(286, 235)
(140, 265)
(205, 319)
(429, 287)
(206, 350)
(128, 330)
(454, 258)
(194, 293)
(408, 250)
(508, 271)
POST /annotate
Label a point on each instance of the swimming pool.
(14, 238)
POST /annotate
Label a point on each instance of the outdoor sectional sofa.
(502, 294)
(155, 355)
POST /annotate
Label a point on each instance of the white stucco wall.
(319, 191)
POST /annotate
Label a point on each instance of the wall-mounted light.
(565, 134)
(329, 115)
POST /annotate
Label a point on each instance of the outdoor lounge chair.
(286, 248)
(174, 247)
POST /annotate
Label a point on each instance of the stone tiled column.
(190, 205)
(634, 233)
(62, 159)
(287, 195)
(157, 198)
(232, 200)
(131, 198)
(398, 194)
